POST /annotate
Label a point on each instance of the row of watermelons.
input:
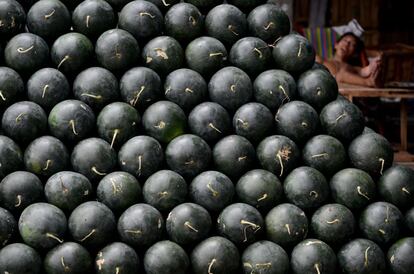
(197, 137)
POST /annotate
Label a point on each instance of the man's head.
(348, 46)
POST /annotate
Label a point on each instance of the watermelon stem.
(19, 117)
(88, 235)
(259, 52)
(147, 14)
(215, 128)
(406, 191)
(231, 28)
(88, 17)
(188, 224)
(47, 16)
(262, 198)
(165, 3)
(340, 116)
(97, 172)
(97, 97)
(213, 54)
(188, 90)
(210, 265)
(117, 270)
(387, 215)
(313, 193)
(162, 194)
(44, 90)
(213, 191)
(133, 231)
(317, 268)
(286, 95)
(333, 222)
(361, 193)
(160, 125)
(19, 200)
(22, 50)
(300, 49)
(65, 189)
(382, 231)
(115, 188)
(264, 265)
(319, 155)
(382, 164)
(192, 20)
(366, 256)
(116, 131)
(244, 124)
(318, 91)
(281, 164)
(50, 235)
(275, 42)
(2, 96)
(241, 158)
(48, 162)
(288, 228)
(161, 53)
(100, 262)
(267, 27)
(248, 224)
(72, 123)
(63, 61)
(139, 164)
(135, 100)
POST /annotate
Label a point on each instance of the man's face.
(346, 47)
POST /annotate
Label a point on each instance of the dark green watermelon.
(118, 190)
(396, 186)
(188, 223)
(259, 188)
(46, 156)
(210, 121)
(24, 121)
(164, 121)
(48, 19)
(206, 55)
(298, 121)
(286, 225)
(47, 87)
(141, 225)
(141, 156)
(184, 22)
(68, 257)
(265, 257)
(212, 190)
(20, 258)
(20, 189)
(13, 17)
(230, 87)
(186, 88)
(361, 256)
(42, 225)
(278, 154)
(11, 156)
(96, 87)
(313, 256)
(166, 257)
(11, 86)
(333, 224)
(241, 223)
(117, 123)
(72, 52)
(163, 54)
(92, 224)
(215, 255)
(234, 155)
(371, 153)
(325, 153)
(93, 17)
(164, 5)
(251, 54)
(71, 121)
(381, 222)
(117, 50)
(8, 227)
(317, 87)
(140, 87)
(353, 188)
(116, 257)
(306, 188)
(400, 256)
(26, 53)
(226, 23)
(142, 19)
(67, 190)
(273, 88)
(294, 53)
(342, 120)
(164, 190)
(409, 219)
(94, 158)
(253, 121)
(188, 155)
(268, 22)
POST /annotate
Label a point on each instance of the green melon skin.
(141, 226)
(20, 258)
(47, 87)
(409, 219)
(381, 222)
(312, 255)
(8, 227)
(259, 188)
(101, 18)
(72, 52)
(361, 256)
(11, 85)
(216, 254)
(166, 257)
(396, 185)
(268, 22)
(266, 257)
(11, 151)
(13, 17)
(67, 190)
(188, 223)
(400, 256)
(42, 225)
(19, 190)
(68, 257)
(116, 256)
(353, 188)
(212, 190)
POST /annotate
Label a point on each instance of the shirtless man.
(346, 48)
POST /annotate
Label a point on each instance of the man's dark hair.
(355, 59)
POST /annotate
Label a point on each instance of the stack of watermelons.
(164, 136)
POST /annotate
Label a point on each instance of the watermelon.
(67, 257)
(166, 257)
(164, 5)
(13, 17)
(115, 257)
(399, 256)
(20, 258)
(409, 219)
(11, 86)
(8, 227)
(11, 151)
